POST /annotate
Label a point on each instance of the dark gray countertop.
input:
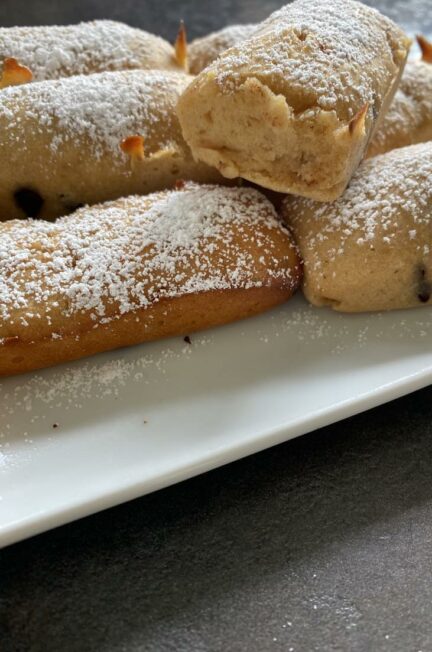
(323, 543)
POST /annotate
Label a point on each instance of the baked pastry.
(138, 269)
(202, 51)
(58, 51)
(294, 106)
(409, 118)
(372, 248)
(90, 138)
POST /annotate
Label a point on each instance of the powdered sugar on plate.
(296, 330)
(71, 387)
(50, 395)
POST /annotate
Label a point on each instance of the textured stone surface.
(158, 16)
(323, 543)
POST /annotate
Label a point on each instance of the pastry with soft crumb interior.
(294, 106)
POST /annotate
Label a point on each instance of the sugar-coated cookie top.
(412, 105)
(203, 51)
(101, 109)
(61, 50)
(134, 251)
(386, 193)
(321, 55)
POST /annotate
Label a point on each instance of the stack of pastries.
(127, 211)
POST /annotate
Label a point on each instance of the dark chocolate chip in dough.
(29, 201)
(424, 287)
(424, 296)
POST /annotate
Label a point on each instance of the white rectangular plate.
(89, 435)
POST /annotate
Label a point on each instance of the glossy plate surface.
(89, 435)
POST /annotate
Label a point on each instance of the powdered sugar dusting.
(37, 401)
(111, 260)
(62, 50)
(52, 394)
(410, 109)
(322, 330)
(383, 189)
(96, 110)
(203, 51)
(333, 54)
(70, 388)
(33, 403)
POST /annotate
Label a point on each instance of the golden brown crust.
(62, 141)
(426, 48)
(372, 248)
(14, 74)
(170, 317)
(181, 48)
(409, 118)
(139, 269)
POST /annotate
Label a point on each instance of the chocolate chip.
(187, 339)
(424, 297)
(424, 287)
(29, 201)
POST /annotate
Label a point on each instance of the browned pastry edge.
(167, 318)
